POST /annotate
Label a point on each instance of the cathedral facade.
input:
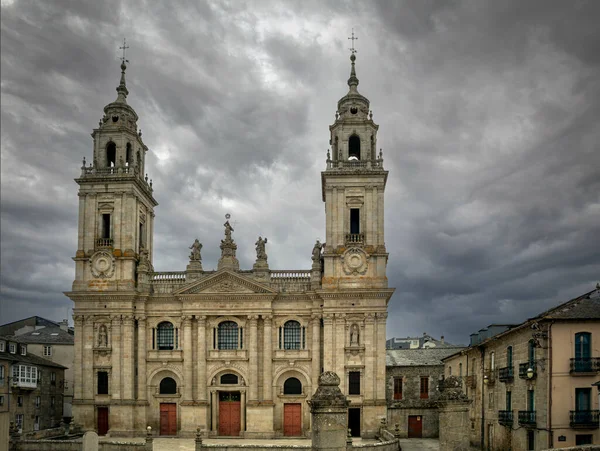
(234, 351)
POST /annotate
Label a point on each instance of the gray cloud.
(488, 119)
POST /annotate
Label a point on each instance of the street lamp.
(531, 369)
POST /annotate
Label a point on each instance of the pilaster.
(316, 350)
(78, 357)
(128, 358)
(253, 353)
(371, 382)
(115, 386)
(187, 358)
(268, 358)
(88, 357)
(201, 353)
(328, 342)
(141, 358)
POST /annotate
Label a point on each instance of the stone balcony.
(353, 165)
(355, 238)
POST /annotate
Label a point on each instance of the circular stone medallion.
(102, 265)
(355, 261)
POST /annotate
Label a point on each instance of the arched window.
(583, 361)
(449, 371)
(509, 356)
(128, 155)
(111, 154)
(292, 386)
(492, 361)
(229, 379)
(292, 335)
(228, 335)
(168, 386)
(460, 370)
(354, 148)
(165, 336)
(531, 351)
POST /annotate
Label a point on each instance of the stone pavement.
(420, 444)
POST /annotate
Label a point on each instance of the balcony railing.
(506, 374)
(527, 417)
(505, 417)
(104, 242)
(585, 365)
(585, 419)
(523, 367)
(355, 238)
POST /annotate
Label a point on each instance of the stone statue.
(354, 335)
(195, 254)
(316, 253)
(228, 230)
(102, 336)
(260, 249)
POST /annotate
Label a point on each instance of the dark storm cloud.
(488, 116)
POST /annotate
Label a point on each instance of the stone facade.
(234, 351)
(513, 377)
(31, 388)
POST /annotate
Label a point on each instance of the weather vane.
(352, 49)
(124, 47)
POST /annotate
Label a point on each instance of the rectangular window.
(584, 439)
(23, 350)
(36, 424)
(38, 401)
(142, 241)
(354, 220)
(1, 374)
(583, 398)
(53, 378)
(106, 225)
(12, 348)
(19, 420)
(47, 351)
(397, 388)
(103, 382)
(20, 401)
(1, 400)
(530, 400)
(354, 383)
(508, 401)
(460, 370)
(424, 387)
(530, 439)
(509, 356)
(52, 401)
(2, 346)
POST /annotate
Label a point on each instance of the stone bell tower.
(353, 187)
(116, 205)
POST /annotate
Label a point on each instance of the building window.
(584, 439)
(354, 220)
(398, 388)
(1, 374)
(38, 401)
(582, 345)
(530, 439)
(228, 335)
(24, 374)
(509, 356)
(47, 351)
(424, 394)
(460, 370)
(583, 399)
(229, 379)
(111, 155)
(531, 352)
(292, 335)
(354, 383)
(165, 336)
(354, 148)
(52, 378)
(509, 401)
(36, 424)
(52, 399)
(292, 386)
(531, 400)
(1, 400)
(2, 346)
(12, 348)
(449, 371)
(103, 382)
(23, 350)
(105, 226)
(19, 421)
(168, 386)
(20, 401)
(492, 361)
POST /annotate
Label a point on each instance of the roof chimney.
(64, 325)
(442, 339)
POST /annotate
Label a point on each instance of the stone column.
(88, 357)
(370, 352)
(253, 351)
(380, 355)
(328, 341)
(267, 357)
(243, 410)
(339, 351)
(78, 357)
(316, 351)
(128, 369)
(141, 358)
(454, 421)
(329, 411)
(115, 338)
(187, 359)
(213, 409)
(201, 353)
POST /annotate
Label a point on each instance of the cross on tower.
(124, 47)
(352, 49)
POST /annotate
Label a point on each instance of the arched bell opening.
(111, 155)
(354, 148)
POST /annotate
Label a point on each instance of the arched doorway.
(168, 410)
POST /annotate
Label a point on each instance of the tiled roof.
(582, 307)
(418, 357)
(28, 358)
(46, 335)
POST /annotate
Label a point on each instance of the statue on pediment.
(195, 254)
(316, 253)
(228, 230)
(261, 254)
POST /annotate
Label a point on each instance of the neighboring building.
(426, 341)
(236, 352)
(531, 383)
(52, 341)
(413, 376)
(30, 387)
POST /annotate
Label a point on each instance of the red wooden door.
(229, 413)
(415, 426)
(168, 419)
(292, 419)
(102, 420)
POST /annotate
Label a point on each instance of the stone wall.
(75, 445)
(577, 448)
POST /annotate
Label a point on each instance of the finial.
(150, 183)
(371, 114)
(84, 162)
(337, 115)
(328, 156)
(146, 178)
(353, 80)
(140, 133)
(380, 153)
(352, 38)
(122, 88)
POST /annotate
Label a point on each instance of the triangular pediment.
(225, 282)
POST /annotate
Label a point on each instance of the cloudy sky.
(489, 123)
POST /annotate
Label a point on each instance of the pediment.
(225, 282)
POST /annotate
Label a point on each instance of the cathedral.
(236, 352)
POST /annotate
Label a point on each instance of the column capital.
(315, 317)
(382, 315)
(369, 318)
(186, 320)
(78, 320)
(267, 318)
(253, 319)
(115, 319)
(141, 319)
(201, 318)
(88, 320)
(127, 320)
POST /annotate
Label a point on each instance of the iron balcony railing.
(585, 419)
(506, 374)
(505, 417)
(585, 365)
(523, 367)
(527, 417)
